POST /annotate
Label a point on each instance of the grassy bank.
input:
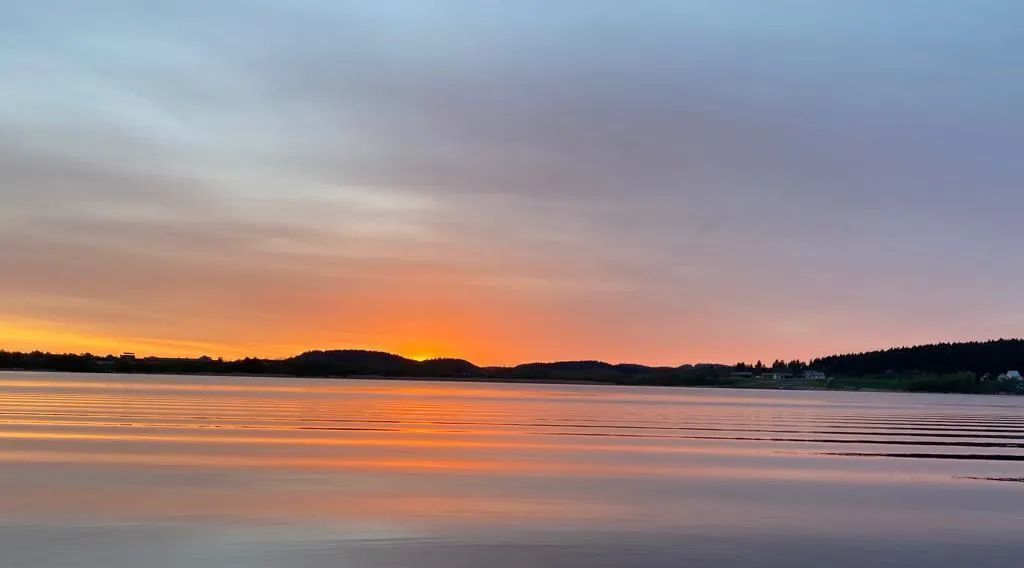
(963, 382)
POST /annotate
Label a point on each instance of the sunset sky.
(655, 182)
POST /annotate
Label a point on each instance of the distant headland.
(968, 367)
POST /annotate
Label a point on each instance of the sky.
(510, 181)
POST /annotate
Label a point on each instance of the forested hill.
(983, 357)
(971, 360)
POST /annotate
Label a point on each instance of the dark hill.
(948, 367)
(979, 357)
(359, 362)
(561, 370)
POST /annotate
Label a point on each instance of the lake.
(112, 471)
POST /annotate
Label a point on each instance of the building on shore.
(776, 375)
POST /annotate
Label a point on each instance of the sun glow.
(27, 335)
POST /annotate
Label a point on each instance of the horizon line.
(136, 355)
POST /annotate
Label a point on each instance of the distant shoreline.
(987, 367)
(497, 380)
(536, 381)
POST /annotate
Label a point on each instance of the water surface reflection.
(102, 470)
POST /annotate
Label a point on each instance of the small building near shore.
(776, 375)
(814, 375)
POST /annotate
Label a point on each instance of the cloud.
(634, 180)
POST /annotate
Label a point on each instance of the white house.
(1010, 376)
(776, 375)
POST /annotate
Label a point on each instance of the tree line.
(958, 367)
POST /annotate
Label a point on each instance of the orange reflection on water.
(398, 454)
(468, 467)
(481, 447)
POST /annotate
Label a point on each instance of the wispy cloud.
(661, 182)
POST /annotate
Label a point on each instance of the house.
(784, 379)
(776, 375)
(1013, 375)
(814, 375)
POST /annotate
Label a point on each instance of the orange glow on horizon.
(30, 335)
(44, 336)
(56, 338)
(459, 336)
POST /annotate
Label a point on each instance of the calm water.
(112, 471)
